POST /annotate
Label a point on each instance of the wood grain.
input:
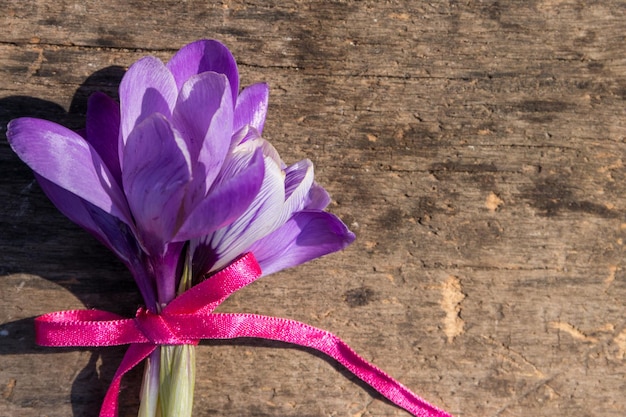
(475, 148)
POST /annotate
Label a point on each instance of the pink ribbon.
(190, 317)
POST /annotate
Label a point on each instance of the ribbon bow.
(190, 318)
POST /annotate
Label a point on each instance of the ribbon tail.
(134, 355)
(232, 325)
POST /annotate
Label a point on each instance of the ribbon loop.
(190, 318)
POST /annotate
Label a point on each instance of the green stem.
(170, 373)
(177, 380)
(150, 386)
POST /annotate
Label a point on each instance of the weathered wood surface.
(476, 149)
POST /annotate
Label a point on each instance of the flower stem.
(170, 373)
(168, 383)
(177, 380)
(150, 386)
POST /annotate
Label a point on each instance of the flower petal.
(103, 129)
(307, 235)
(66, 159)
(251, 107)
(147, 87)
(109, 230)
(244, 134)
(261, 218)
(298, 182)
(156, 172)
(75, 208)
(202, 56)
(317, 199)
(227, 200)
(204, 117)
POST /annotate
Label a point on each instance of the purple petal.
(66, 159)
(244, 134)
(226, 201)
(202, 56)
(103, 129)
(307, 235)
(156, 172)
(148, 87)
(75, 209)
(204, 117)
(298, 181)
(261, 218)
(109, 230)
(317, 199)
(251, 107)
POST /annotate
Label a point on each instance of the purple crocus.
(179, 166)
(178, 181)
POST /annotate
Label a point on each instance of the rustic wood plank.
(477, 150)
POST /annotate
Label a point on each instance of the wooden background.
(476, 149)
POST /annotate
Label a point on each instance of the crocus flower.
(178, 181)
(181, 161)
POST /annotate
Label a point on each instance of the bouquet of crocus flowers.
(177, 180)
